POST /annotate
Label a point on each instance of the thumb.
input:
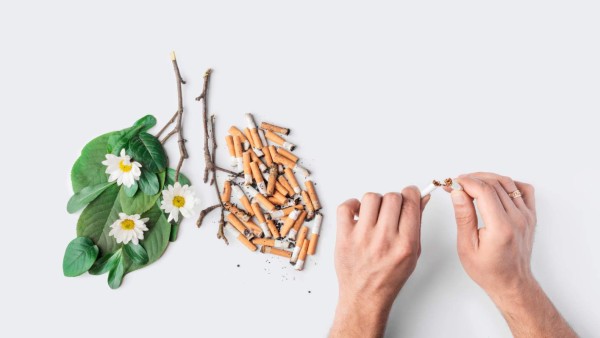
(466, 221)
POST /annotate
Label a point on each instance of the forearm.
(360, 319)
(530, 313)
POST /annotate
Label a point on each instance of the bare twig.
(205, 212)
(203, 96)
(168, 124)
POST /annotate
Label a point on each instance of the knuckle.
(505, 180)
(465, 218)
(393, 197)
(371, 196)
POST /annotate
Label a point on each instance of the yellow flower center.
(124, 167)
(127, 224)
(178, 201)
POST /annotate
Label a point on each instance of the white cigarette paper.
(428, 190)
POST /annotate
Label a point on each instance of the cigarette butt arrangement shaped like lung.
(273, 203)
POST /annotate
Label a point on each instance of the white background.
(379, 96)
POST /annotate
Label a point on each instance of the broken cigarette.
(302, 257)
(312, 193)
(247, 170)
(276, 243)
(234, 232)
(280, 141)
(289, 222)
(260, 181)
(275, 251)
(297, 224)
(273, 128)
(243, 199)
(299, 241)
(226, 196)
(262, 222)
(231, 148)
(449, 182)
(314, 237)
(243, 140)
(262, 200)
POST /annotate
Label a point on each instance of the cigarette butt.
(285, 211)
(287, 154)
(271, 184)
(239, 226)
(260, 182)
(226, 196)
(273, 128)
(302, 257)
(231, 148)
(314, 236)
(249, 137)
(297, 224)
(262, 200)
(299, 241)
(289, 222)
(286, 184)
(247, 170)
(256, 138)
(273, 229)
(233, 130)
(243, 199)
(256, 230)
(262, 222)
(428, 189)
(255, 158)
(268, 158)
(272, 152)
(272, 242)
(280, 141)
(279, 187)
(277, 199)
(234, 232)
(308, 204)
(280, 159)
(312, 193)
(239, 213)
(261, 133)
(237, 145)
(289, 175)
(275, 251)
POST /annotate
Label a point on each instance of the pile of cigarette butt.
(273, 208)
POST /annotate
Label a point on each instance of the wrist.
(517, 294)
(358, 316)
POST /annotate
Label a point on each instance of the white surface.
(510, 87)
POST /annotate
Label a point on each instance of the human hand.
(497, 257)
(374, 256)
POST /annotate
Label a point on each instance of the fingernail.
(458, 197)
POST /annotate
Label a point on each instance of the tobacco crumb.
(238, 265)
(309, 291)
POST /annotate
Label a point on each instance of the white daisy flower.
(128, 228)
(122, 169)
(177, 199)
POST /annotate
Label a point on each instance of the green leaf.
(174, 231)
(146, 122)
(130, 192)
(141, 202)
(120, 140)
(156, 238)
(115, 276)
(96, 218)
(88, 170)
(105, 263)
(85, 196)
(81, 253)
(148, 150)
(137, 253)
(148, 182)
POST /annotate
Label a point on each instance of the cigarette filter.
(289, 222)
(272, 152)
(308, 204)
(273, 128)
(275, 251)
(239, 226)
(314, 237)
(287, 155)
(271, 184)
(280, 159)
(249, 137)
(272, 242)
(278, 199)
(243, 199)
(286, 184)
(262, 222)
(289, 175)
(302, 257)
(299, 240)
(247, 170)
(255, 158)
(267, 153)
(226, 196)
(256, 230)
(261, 133)
(243, 140)
(279, 187)
(260, 182)
(297, 224)
(280, 141)
(262, 200)
(273, 229)
(253, 131)
(312, 193)
(239, 213)
(286, 211)
(235, 233)
(237, 145)
(231, 148)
